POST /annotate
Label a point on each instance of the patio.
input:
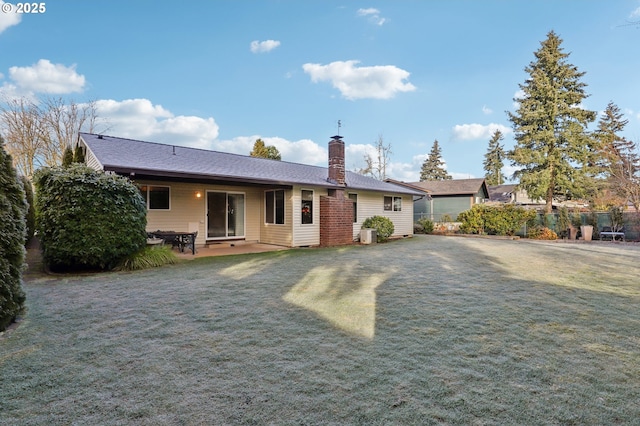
(229, 248)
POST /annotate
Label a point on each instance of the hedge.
(13, 208)
(494, 220)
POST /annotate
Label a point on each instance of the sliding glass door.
(225, 215)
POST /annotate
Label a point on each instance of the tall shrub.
(13, 208)
(88, 219)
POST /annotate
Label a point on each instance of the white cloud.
(8, 19)
(373, 15)
(635, 13)
(42, 77)
(377, 82)
(486, 110)
(264, 46)
(140, 119)
(477, 131)
(303, 151)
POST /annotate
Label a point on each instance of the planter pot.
(573, 233)
(587, 232)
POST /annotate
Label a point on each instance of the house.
(228, 197)
(447, 198)
(511, 193)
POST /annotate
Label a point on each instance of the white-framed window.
(274, 207)
(392, 204)
(307, 207)
(157, 197)
(354, 198)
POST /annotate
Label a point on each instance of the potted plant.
(576, 223)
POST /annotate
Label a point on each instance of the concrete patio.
(229, 248)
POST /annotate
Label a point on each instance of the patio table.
(181, 239)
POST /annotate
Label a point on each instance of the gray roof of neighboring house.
(450, 187)
(501, 193)
(168, 161)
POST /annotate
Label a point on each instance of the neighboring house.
(503, 193)
(447, 197)
(235, 197)
(510, 193)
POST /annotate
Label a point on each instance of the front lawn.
(430, 330)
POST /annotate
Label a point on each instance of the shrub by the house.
(383, 226)
(13, 208)
(494, 220)
(88, 219)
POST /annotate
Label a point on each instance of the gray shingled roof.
(448, 187)
(155, 159)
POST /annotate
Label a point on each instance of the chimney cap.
(336, 137)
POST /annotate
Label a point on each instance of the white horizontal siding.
(372, 204)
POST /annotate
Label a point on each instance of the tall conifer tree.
(494, 160)
(553, 150)
(620, 158)
(433, 166)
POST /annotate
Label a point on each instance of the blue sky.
(219, 74)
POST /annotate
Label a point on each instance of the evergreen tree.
(67, 157)
(620, 161)
(494, 160)
(78, 154)
(433, 166)
(265, 151)
(553, 149)
(13, 208)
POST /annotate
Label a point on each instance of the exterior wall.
(372, 204)
(271, 233)
(188, 213)
(451, 205)
(90, 160)
(306, 234)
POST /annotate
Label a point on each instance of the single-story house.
(226, 197)
(447, 197)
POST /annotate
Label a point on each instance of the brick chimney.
(336, 160)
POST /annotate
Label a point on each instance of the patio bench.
(613, 233)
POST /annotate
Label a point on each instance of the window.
(393, 204)
(307, 207)
(156, 197)
(274, 206)
(354, 198)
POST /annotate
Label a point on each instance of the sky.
(219, 74)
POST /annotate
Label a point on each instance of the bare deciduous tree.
(38, 132)
(24, 132)
(377, 167)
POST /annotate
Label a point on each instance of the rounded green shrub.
(88, 219)
(426, 224)
(13, 208)
(383, 226)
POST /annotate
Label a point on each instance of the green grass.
(431, 330)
